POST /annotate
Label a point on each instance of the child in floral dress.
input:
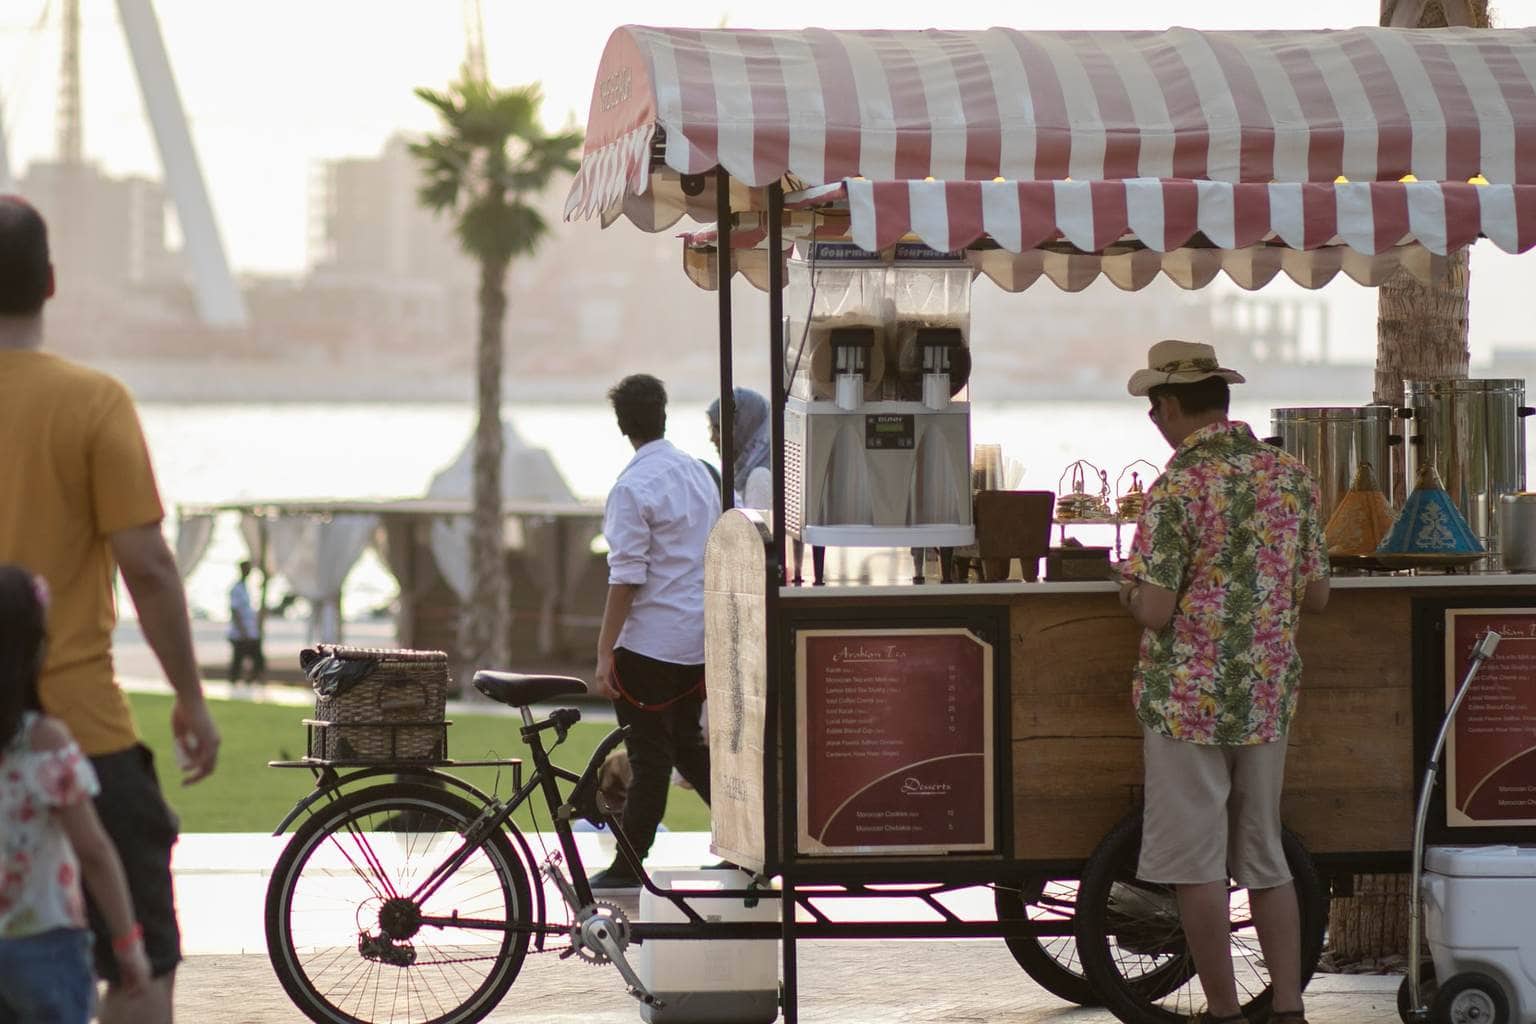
(49, 837)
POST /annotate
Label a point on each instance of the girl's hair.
(22, 634)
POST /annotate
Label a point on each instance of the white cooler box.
(709, 981)
(1479, 905)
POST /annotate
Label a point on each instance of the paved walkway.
(221, 882)
(959, 982)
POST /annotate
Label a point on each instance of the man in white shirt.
(650, 652)
(244, 633)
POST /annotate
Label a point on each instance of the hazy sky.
(273, 87)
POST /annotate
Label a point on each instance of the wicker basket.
(393, 713)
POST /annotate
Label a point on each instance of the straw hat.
(1179, 362)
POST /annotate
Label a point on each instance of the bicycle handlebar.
(582, 800)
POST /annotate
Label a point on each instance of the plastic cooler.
(1478, 906)
(709, 982)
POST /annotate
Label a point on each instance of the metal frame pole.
(723, 278)
(780, 695)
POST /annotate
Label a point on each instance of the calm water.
(218, 453)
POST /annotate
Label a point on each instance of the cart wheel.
(1470, 998)
(1132, 944)
(1051, 960)
(1427, 989)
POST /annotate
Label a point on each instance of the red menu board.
(1490, 755)
(895, 741)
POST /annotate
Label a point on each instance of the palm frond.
(491, 153)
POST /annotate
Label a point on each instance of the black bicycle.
(411, 899)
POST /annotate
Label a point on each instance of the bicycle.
(409, 900)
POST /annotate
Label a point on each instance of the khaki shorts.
(1212, 813)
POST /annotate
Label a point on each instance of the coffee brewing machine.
(877, 429)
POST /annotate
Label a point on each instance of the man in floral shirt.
(1228, 553)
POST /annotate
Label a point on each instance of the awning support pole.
(776, 366)
(780, 690)
(723, 278)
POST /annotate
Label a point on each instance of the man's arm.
(149, 572)
(621, 597)
(1150, 605)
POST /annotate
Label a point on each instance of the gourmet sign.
(895, 743)
(1490, 755)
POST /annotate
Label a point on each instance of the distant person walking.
(50, 836)
(750, 471)
(80, 505)
(244, 633)
(650, 651)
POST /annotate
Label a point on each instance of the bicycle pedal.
(653, 1001)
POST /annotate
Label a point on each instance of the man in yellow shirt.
(78, 503)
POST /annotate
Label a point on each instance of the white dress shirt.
(656, 522)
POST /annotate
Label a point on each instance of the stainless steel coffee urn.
(1333, 440)
(1473, 433)
(1517, 531)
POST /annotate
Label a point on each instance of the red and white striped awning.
(814, 107)
(1070, 232)
(1069, 155)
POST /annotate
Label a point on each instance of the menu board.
(895, 751)
(1490, 754)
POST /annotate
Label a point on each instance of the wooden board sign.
(895, 741)
(1490, 754)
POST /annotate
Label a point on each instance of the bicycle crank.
(600, 935)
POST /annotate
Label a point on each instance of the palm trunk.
(1421, 333)
(484, 625)
(1421, 329)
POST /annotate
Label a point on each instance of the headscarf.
(749, 432)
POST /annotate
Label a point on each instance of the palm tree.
(489, 161)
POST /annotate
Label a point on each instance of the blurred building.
(108, 231)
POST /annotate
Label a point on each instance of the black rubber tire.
(1050, 960)
(328, 829)
(1470, 998)
(1427, 990)
(1112, 905)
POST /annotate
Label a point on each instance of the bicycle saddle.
(519, 690)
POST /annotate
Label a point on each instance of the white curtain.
(527, 474)
(315, 554)
(193, 535)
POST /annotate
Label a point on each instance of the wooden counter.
(1076, 746)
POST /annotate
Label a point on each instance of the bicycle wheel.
(1128, 930)
(348, 943)
(1052, 960)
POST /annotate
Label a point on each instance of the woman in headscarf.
(749, 463)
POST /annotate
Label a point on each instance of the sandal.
(1288, 1017)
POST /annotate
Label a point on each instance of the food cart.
(939, 735)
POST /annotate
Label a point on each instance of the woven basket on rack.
(394, 712)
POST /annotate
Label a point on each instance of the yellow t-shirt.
(74, 469)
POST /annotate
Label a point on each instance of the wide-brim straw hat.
(1180, 362)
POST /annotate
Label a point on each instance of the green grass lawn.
(244, 795)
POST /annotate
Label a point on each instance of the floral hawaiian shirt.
(1232, 528)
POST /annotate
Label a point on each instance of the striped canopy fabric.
(1081, 141)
